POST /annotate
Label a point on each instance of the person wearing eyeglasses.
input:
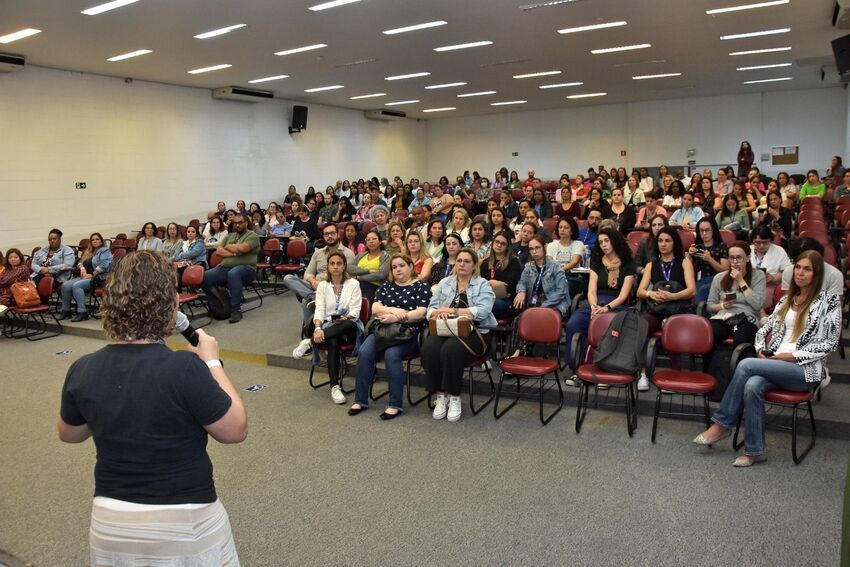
(767, 256)
(709, 254)
(238, 250)
(542, 282)
(502, 270)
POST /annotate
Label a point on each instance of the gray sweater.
(750, 306)
(365, 275)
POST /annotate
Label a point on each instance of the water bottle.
(586, 258)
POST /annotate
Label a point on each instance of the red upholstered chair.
(728, 237)
(687, 237)
(296, 251)
(793, 400)
(682, 335)
(366, 227)
(635, 238)
(271, 254)
(193, 277)
(121, 235)
(215, 260)
(516, 194)
(35, 315)
(591, 375)
(536, 326)
(346, 349)
(551, 225)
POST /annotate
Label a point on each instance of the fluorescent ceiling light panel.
(623, 48)
(408, 76)
(334, 4)
(755, 34)
(658, 76)
(587, 95)
(507, 102)
(397, 103)
(220, 31)
(546, 4)
(445, 109)
(757, 51)
(208, 69)
(541, 74)
(373, 95)
(95, 10)
(755, 67)
(463, 45)
(424, 26)
(593, 27)
(129, 55)
(320, 89)
(445, 86)
(479, 93)
(746, 7)
(560, 85)
(768, 80)
(300, 49)
(15, 36)
(267, 79)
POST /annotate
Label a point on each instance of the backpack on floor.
(26, 294)
(218, 302)
(622, 347)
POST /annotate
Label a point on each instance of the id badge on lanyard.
(537, 284)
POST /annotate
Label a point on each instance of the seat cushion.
(586, 371)
(788, 396)
(684, 382)
(263, 265)
(526, 365)
(187, 297)
(288, 268)
(29, 310)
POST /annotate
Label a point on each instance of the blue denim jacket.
(101, 260)
(556, 294)
(478, 292)
(196, 254)
(60, 266)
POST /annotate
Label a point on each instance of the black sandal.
(388, 416)
(355, 411)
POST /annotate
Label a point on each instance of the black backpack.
(218, 302)
(621, 348)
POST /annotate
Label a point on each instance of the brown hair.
(726, 282)
(140, 297)
(407, 260)
(793, 290)
(338, 254)
(90, 250)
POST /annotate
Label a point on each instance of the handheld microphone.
(185, 328)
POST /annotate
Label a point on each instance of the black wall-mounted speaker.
(299, 119)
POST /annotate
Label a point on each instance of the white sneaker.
(337, 396)
(440, 406)
(825, 382)
(304, 348)
(455, 408)
(643, 383)
(3, 309)
(572, 381)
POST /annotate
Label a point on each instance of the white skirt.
(124, 534)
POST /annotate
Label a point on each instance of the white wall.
(652, 133)
(157, 152)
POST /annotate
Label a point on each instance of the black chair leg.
(472, 391)
(706, 410)
(583, 392)
(410, 400)
(629, 402)
(313, 384)
(655, 414)
(799, 458)
(543, 420)
(735, 443)
(496, 413)
(372, 395)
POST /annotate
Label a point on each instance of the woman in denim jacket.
(96, 260)
(543, 282)
(55, 259)
(193, 250)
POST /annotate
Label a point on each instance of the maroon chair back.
(84, 244)
(193, 276)
(516, 194)
(296, 249)
(121, 235)
(365, 311)
(598, 326)
(687, 334)
(45, 288)
(635, 238)
(829, 255)
(687, 237)
(582, 223)
(467, 204)
(195, 222)
(539, 325)
(215, 260)
(728, 237)
(366, 227)
(118, 253)
(117, 243)
(552, 226)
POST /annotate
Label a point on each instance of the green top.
(247, 259)
(809, 191)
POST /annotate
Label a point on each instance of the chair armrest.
(739, 353)
(577, 348)
(702, 308)
(651, 355)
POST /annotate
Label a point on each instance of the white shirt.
(350, 300)
(774, 261)
(561, 254)
(788, 345)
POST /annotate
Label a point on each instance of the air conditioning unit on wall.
(385, 115)
(242, 94)
(10, 63)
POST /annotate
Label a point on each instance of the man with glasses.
(590, 233)
(239, 250)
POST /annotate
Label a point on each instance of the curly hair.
(140, 297)
(618, 244)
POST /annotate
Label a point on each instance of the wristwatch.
(743, 288)
(213, 363)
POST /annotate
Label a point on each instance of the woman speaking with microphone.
(149, 410)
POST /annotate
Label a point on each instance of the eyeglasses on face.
(463, 261)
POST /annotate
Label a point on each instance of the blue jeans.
(502, 308)
(78, 288)
(754, 377)
(703, 288)
(235, 277)
(303, 291)
(580, 323)
(366, 359)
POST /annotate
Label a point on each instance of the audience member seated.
(541, 204)
(459, 224)
(566, 251)
(650, 210)
(746, 202)
(673, 195)
(731, 216)
(688, 215)
(775, 215)
(55, 259)
(172, 244)
(365, 210)
(381, 216)
(395, 237)
(567, 206)
(723, 185)
(14, 271)
(633, 195)
(768, 256)
(238, 267)
(215, 233)
(96, 260)
(436, 233)
(292, 196)
(621, 213)
(803, 330)
(707, 199)
(306, 229)
(503, 271)
(813, 187)
(588, 234)
(371, 267)
(414, 249)
(508, 205)
(596, 202)
(667, 285)
(647, 251)
(497, 221)
(842, 190)
(463, 294)
(542, 282)
(345, 211)
(709, 255)
(443, 269)
(352, 239)
(149, 239)
(833, 279)
(402, 299)
(192, 251)
(520, 248)
(258, 224)
(479, 239)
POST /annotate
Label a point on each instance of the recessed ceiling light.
(546, 4)
(755, 67)
(300, 49)
(480, 93)
(408, 76)
(623, 48)
(560, 85)
(266, 79)
(373, 95)
(768, 80)
(208, 69)
(220, 31)
(507, 102)
(541, 74)
(320, 89)
(755, 34)
(658, 76)
(593, 27)
(445, 86)
(334, 4)
(95, 10)
(757, 51)
(400, 102)
(587, 95)
(355, 63)
(9, 38)
(463, 45)
(416, 27)
(129, 55)
(746, 7)
(445, 109)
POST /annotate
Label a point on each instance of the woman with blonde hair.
(95, 260)
(459, 224)
(414, 248)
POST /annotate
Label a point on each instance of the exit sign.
(80, 184)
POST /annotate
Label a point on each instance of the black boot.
(80, 317)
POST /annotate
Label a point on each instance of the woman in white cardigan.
(337, 317)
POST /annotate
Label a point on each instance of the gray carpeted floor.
(313, 486)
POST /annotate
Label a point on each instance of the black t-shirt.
(509, 274)
(310, 228)
(602, 286)
(146, 407)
